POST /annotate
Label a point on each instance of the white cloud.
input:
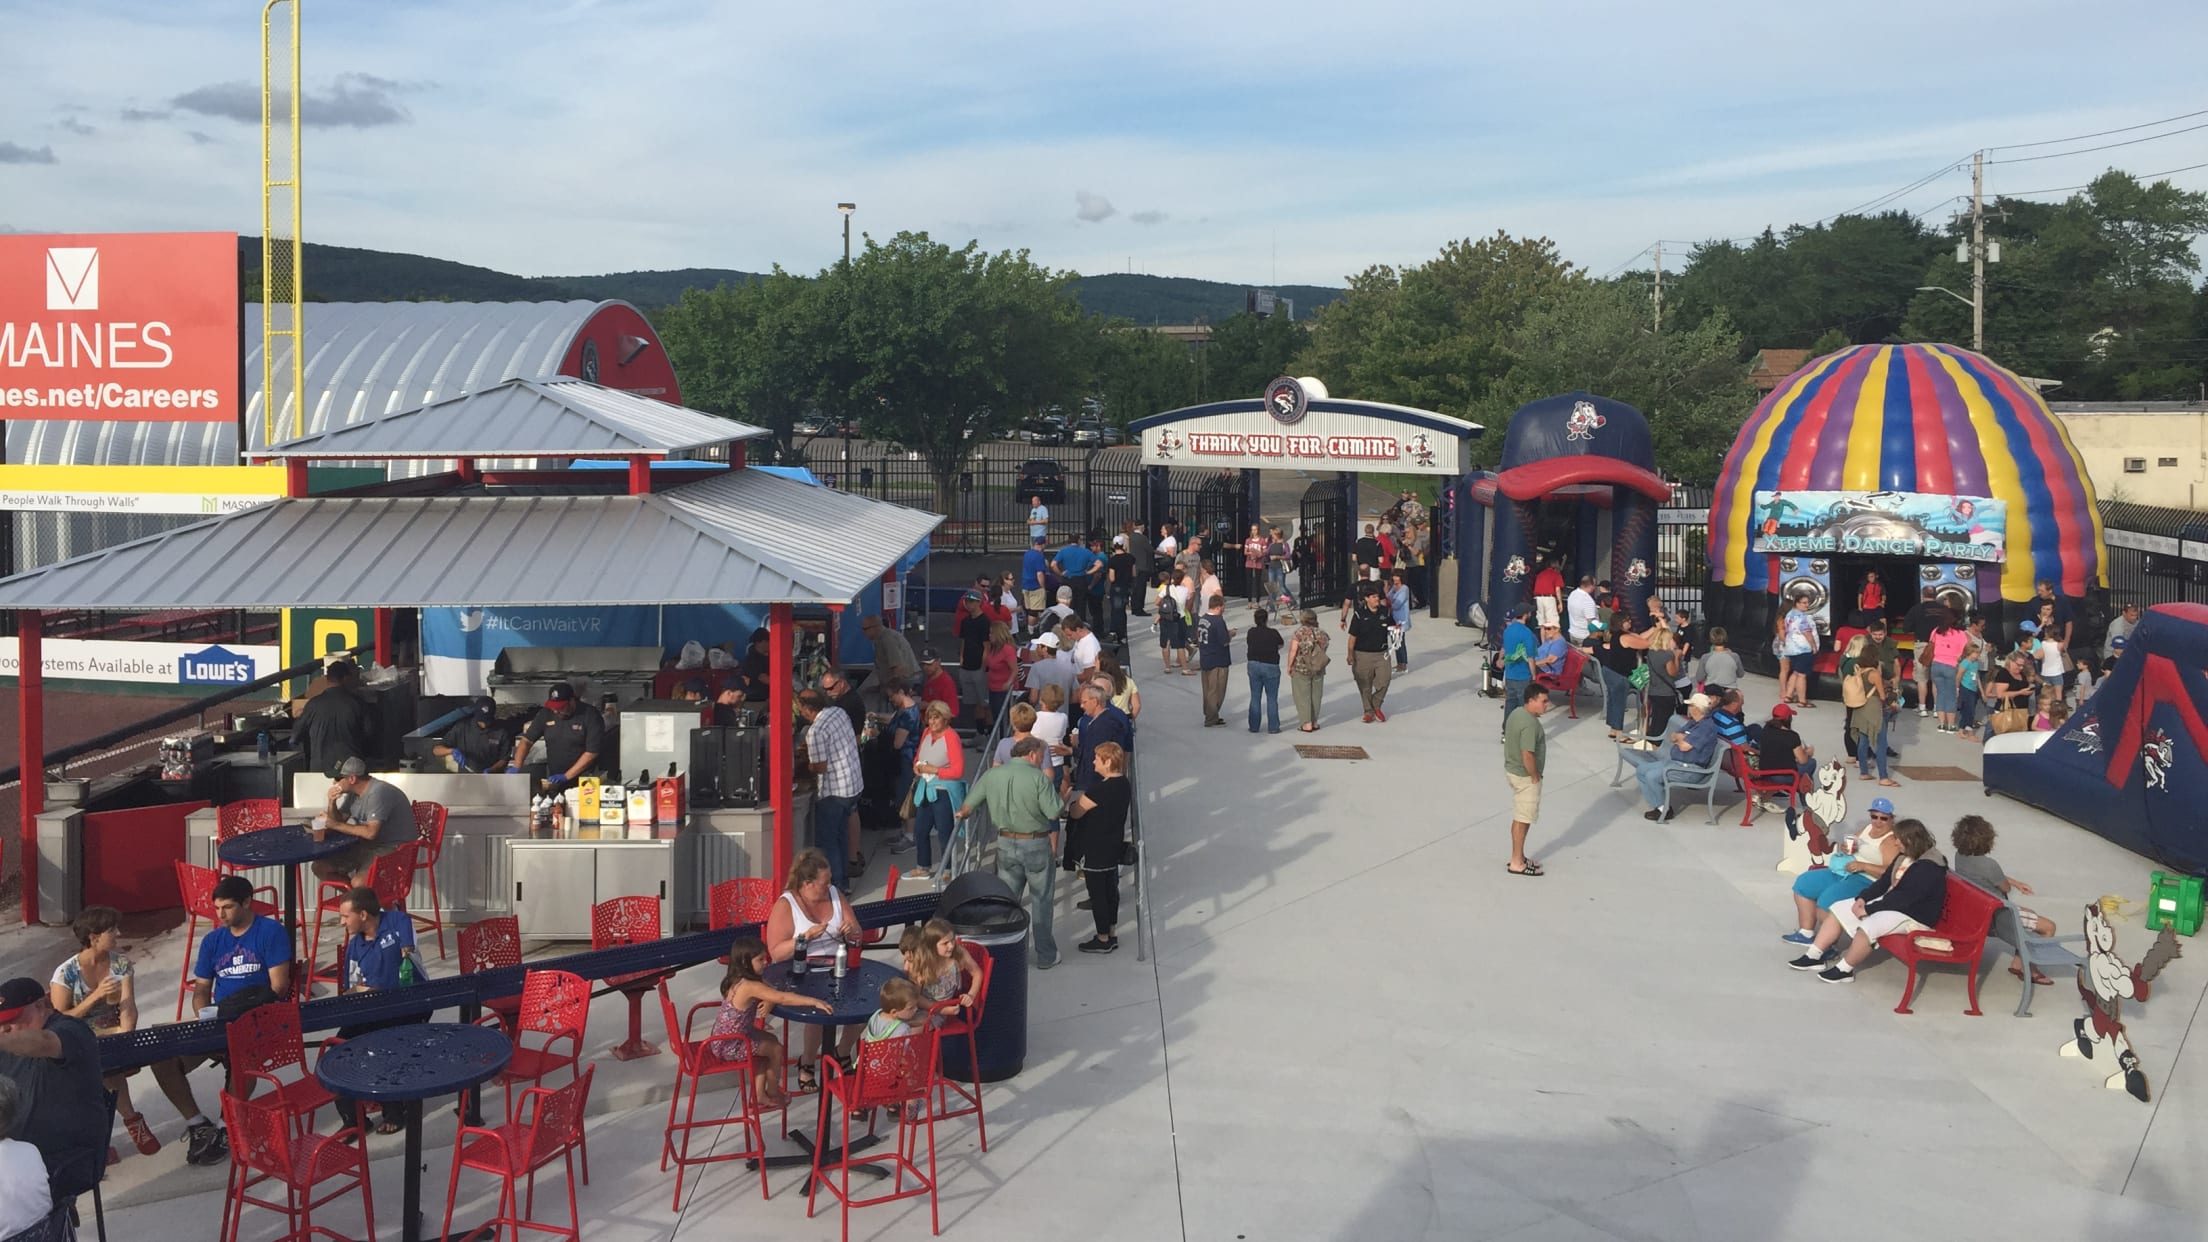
(1092, 208)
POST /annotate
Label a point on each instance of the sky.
(1286, 142)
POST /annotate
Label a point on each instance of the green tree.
(1248, 352)
(939, 349)
(751, 351)
(1139, 372)
(1854, 275)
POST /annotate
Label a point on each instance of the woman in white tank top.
(812, 908)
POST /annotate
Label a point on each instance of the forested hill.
(349, 274)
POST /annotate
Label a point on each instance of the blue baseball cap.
(1883, 806)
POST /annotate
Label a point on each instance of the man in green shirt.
(1025, 810)
(1525, 758)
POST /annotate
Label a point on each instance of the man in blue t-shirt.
(1032, 565)
(243, 951)
(1073, 563)
(378, 945)
(1517, 660)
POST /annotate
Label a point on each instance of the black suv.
(1039, 476)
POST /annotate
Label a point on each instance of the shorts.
(356, 859)
(1877, 924)
(1525, 797)
(1033, 600)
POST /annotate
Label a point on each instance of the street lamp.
(1949, 292)
(847, 209)
(1977, 329)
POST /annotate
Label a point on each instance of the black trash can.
(986, 911)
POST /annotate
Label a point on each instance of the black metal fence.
(2155, 556)
(1682, 547)
(1096, 490)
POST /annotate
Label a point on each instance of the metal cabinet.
(555, 883)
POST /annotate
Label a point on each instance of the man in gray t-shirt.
(375, 812)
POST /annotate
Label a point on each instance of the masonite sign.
(119, 327)
(170, 664)
(204, 490)
(1921, 524)
(1321, 439)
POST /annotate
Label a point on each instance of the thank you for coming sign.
(1917, 524)
(1289, 431)
(119, 326)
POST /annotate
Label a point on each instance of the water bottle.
(843, 960)
(797, 961)
(266, 749)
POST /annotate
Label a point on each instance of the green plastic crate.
(2174, 901)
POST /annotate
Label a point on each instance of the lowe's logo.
(214, 667)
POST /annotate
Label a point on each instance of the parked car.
(1040, 476)
(1088, 431)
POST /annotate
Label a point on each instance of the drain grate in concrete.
(1935, 773)
(1332, 752)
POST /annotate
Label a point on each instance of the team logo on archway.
(1286, 400)
(1584, 422)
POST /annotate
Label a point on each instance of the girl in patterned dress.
(746, 1001)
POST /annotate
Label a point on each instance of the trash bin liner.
(985, 911)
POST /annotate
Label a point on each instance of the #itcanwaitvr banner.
(1918, 524)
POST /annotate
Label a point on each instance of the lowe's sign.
(215, 666)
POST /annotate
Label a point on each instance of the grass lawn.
(1427, 487)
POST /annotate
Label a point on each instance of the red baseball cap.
(1780, 711)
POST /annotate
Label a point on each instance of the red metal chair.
(1567, 682)
(1959, 939)
(492, 944)
(393, 879)
(695, 1060)
(267, 1144)
(550, 1128)
(429, 847)
(623, 921)
(268, 1051)
(235, 819)
(1787, 784)
(554, 1010)
(960, 1022)
(892, 1073)
(738, 903)
(196, 887)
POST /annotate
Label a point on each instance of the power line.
(2050, 142)
(2106, 146)
(2063, 189)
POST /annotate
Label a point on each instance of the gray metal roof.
(528, 418)
(364, 360)
(740, 537)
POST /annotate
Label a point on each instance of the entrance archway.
(1297, 425)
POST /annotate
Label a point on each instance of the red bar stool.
(429, 847)
(493, 944)
(235, 819)
(554, 1010)
(196, 886)
(267, 1050)
(550, 1128)
(731, 904)
(961, 1023)
(892, 1073)
(267, 1144)
(625, 921)
(695, 1061)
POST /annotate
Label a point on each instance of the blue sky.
(1290, 141)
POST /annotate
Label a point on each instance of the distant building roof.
(2067, 408)
(527, 418)
(1186, 333)
(1770, 367)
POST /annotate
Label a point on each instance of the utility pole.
(1659, 287)
(1978, 251)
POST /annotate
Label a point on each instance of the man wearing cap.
(756, 665)
(1045, 667)
(1780, 753)
(1694, 746)
(337, 723)
(894, 663)
(54, 1061)
(574, 737)
(477, 744)
(1025, 810)
(936, 684)
(1517, 661)
(375, 813)
(832, 754)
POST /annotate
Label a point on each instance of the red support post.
(295, 476)
(781, 756)
(383, 636)
(470, 470)
(736, 455)
(30, 695)
(640, 476)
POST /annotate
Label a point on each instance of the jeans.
(1276, 581)
(832, 833)
(1115, 620)
(1866, 746)
(1514, 696)
(1403, 650)
(1616, 689)
(1214, 682)
(1308, 688)
(1650, 774)
(1943, 687)
(932, 823)
(1966, 707)
(1026, 867)
(1265, 683)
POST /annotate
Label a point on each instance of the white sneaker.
(1924, 711)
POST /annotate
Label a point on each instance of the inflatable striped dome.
(1928, 419)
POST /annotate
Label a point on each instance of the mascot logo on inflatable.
(1636, 571)
(1514, 570)
(1584, 422)
(2158, 754)
(2087, 737)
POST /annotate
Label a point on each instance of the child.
(1973, 839)
(745, 1005)
(900, 1007)
(936, 962)
(2050, 698)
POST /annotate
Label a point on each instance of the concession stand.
(622, 569)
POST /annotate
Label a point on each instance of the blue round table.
(855, 998)
(414, 1062)
(289, 847)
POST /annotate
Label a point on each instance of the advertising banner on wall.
(1916, 524)
(460, 646)
(1304, 436)
(119, 327)
(165, 664)
(203, 490)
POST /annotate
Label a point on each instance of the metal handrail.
(1146, 946)
(972, 837)
(195, 708)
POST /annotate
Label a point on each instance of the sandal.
(1532, 868)
(2038, 980)
(1890, 783)
(1307, 729)
(389, 1127)
(805, 1080)
(141, 1134)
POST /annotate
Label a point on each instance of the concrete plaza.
(1359, 1027)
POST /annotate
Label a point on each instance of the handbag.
(904, 809)
(1638, 678)
(2011, 720)
(1127, 856)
